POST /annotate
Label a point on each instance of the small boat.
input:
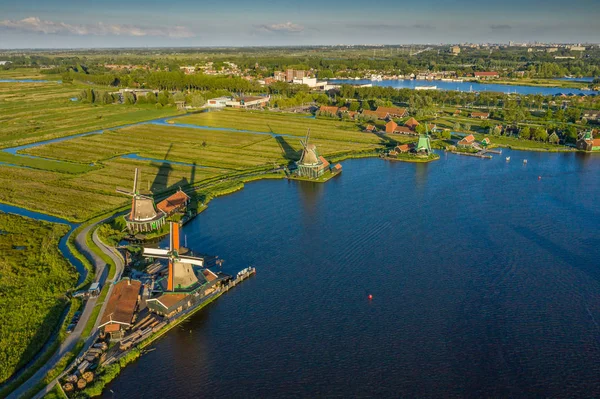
(524, 161)
(507, 159)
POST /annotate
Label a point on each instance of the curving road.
(69, 343)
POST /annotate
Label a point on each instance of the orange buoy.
(539, 177)
(370, 296)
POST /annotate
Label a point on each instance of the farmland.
(31, 112)
(34, 277)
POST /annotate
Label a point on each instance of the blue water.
(62, 245)
(465, 86)
(484, 278)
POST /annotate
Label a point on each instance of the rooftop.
(122, 302)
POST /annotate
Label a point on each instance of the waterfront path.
(71, 341)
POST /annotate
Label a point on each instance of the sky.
(203, 23)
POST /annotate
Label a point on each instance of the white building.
(219, 102)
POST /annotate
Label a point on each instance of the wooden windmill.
(309, 152)
(144, 215)
(181, 272)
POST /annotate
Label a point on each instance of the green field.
(31, 112)
(34, 277)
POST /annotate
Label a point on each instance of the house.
(403, 148)
(587, 142)
(375, 114)
(219, 102)
(486, 75)
(120, 308)
(456, 113)
(455, 50)
(485, 142)
(352, 114)
(480, 115)
(591, 115)
(175, 203)
(370, 128)
(393, 112)
(188, 70)
(390, 127)
(332, 110)
(248, 101)
(467, 141)
(336, 169)
(412, 123)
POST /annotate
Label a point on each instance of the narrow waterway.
(484, 276)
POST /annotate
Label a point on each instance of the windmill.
(143, 215)
(309, 152)
(310, 165)
(181, 272)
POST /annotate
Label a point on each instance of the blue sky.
(123, 23)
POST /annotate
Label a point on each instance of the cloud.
(500, 27)
(37, 25)
(286, 27)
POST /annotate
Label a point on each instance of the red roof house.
(174, 203)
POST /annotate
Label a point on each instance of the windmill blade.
(174, 237)
(135, 180)
(307, 136)
(191, 260)
(124, 191)
(157, 253)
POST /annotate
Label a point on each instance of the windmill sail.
(181, 273)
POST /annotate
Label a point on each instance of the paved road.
(69, 343)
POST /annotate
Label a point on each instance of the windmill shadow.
(289, 153)
(385, 139)
(161, 180)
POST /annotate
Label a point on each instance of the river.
(484, 276)
(465, 86)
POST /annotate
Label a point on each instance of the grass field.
(34, 277)
(31, 112)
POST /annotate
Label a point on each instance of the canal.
(484, 276)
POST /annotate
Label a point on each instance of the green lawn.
(34, 277)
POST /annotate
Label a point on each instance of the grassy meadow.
(31, 112)
(34, 277)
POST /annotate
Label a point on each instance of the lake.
(464, 86)
(485, 282)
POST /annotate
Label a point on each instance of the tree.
(457, 127)
(198, 101)
(325, 74)
(467, 127)
(525, 133)
(151, 98)
(446, 135)
(164, 98)
(129, 98)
